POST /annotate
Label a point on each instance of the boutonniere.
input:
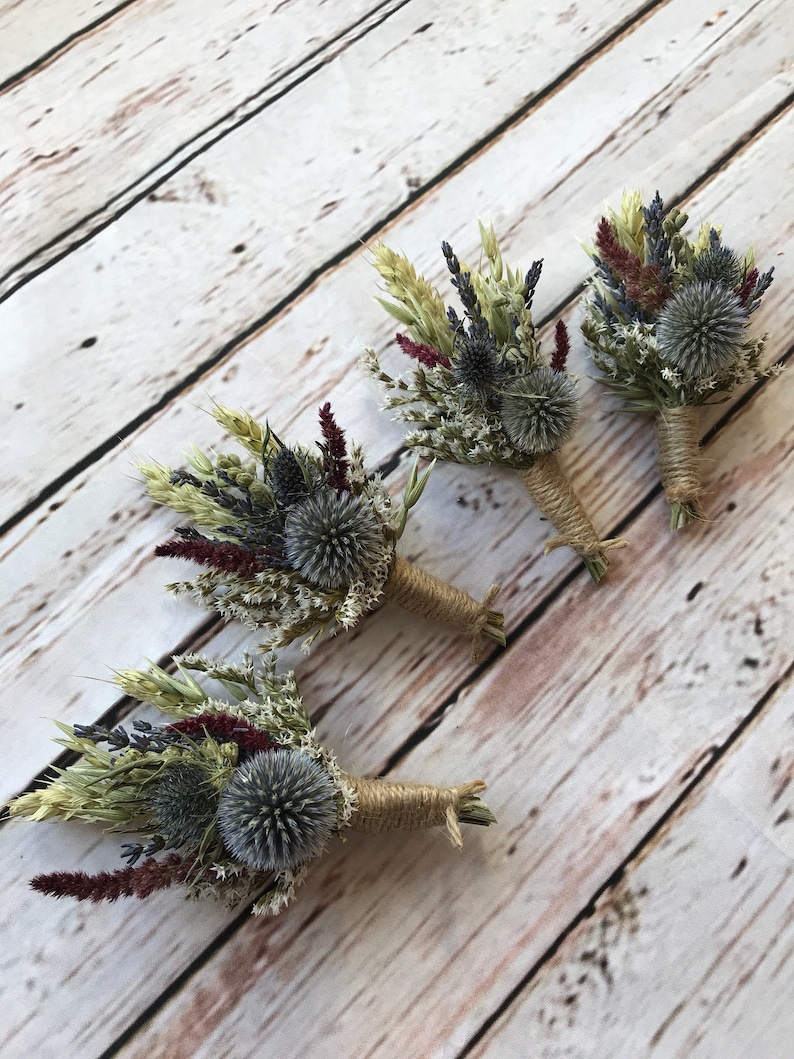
(232, 799)
(482, 390)
(299, 540)
(667, 327)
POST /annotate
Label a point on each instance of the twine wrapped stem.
(387, 806)
(553, 496)
(414, 589)
(679, 463)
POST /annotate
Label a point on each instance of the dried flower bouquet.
(233, 798)
(298, 540)
(667, 327)
(482, 390)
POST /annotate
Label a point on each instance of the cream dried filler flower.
(482, 390)
(296, 540)
(667, 327)
(230, 800)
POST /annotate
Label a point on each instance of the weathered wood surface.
(603, 709)
(164, 85)
(169, 294)
(691, 952)
(193, 81)
(34, 31)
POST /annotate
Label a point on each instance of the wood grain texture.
(33, 31)
(162, 84)
(169, 294)
(689, 955)
(82, 574)
(165, 86)
(585, 740)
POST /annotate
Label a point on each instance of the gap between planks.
(178, 157)
(101, 217)
(54, 51)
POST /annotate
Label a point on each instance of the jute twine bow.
(387, 806)
(679, 461)
(414, 589)
(553, 496)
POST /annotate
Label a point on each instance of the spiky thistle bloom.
(246, 815)
(278, 811)
(539, 410)
(666, 324)
(476, 371)
(332, 539)
(700, 329)
(719, 263)
(471, 402)
(289, 476)
(183, 803)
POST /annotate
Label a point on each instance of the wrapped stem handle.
(555, 499)
(414, 589)
(679, 463)
(394, 806)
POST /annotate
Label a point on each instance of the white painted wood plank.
(81, 576)
(164, 84)
(757, 779)
(31, 29)
(399, 938)
(412, 950)
(689, 956)
(167, 289)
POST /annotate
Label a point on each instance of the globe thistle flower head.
(332, 538)
(183, 803)
(278, 810)
(287, 477)
(539, 410)
(475, 369)
(719, 263)
(701, 328)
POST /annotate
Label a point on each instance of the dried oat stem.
(414, 589)
(679, 463)
(554, 497)
(387, 806)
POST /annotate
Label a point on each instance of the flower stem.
(679, 463)
(553, 495)
(392, 806)
(414, 589)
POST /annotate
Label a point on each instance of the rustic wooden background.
(187, 191)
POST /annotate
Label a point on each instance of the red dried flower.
(225, 727)
(562, 347)
(228, 558)
(643, 284)
(426, 355)
(138, 882)
(335, 463)
(748, 286)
